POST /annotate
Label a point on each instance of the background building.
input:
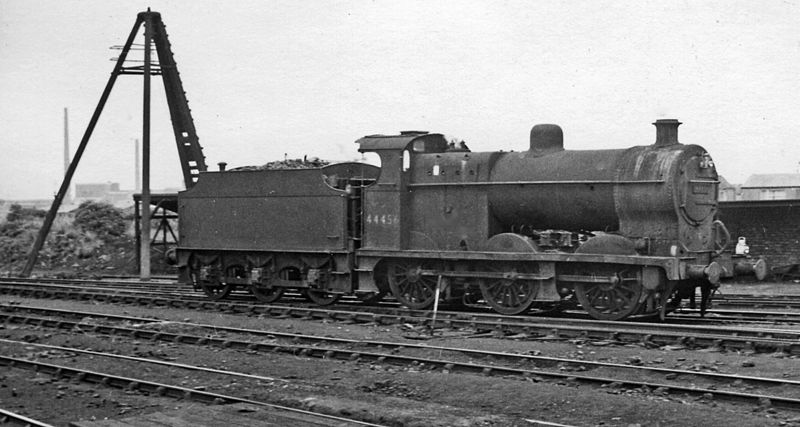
(108, 192)
(776, 186)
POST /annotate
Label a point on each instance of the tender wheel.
(409, 286)
(509, 295)
(215, 289)
(615, 300)
(263, 291)
(266, 294)
(321, 297)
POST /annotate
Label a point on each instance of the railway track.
(662, 381)
(655, 386)
(758, 302)
(130, 384)
(726, 307)
(651, 334)
(715, 315)
(8, 418)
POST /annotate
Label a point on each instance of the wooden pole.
(144, 261)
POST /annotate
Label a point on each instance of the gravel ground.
(377, 393)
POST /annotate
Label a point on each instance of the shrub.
(100, 218)
(18, 213)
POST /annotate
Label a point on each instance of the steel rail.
(790, 304)
(142, 288)
(297, 338)
(450, 366)
(146, 360)
(738, 315)
(159, 289)
(493, 321)
(155, 281)
(791, 301)
(158, 389)
(8, 418)
(771, 340)
(103, 289)
(108, 286)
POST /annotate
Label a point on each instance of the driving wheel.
(615, 300)
(509, 294)
(408, 284)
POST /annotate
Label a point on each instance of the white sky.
(264, 78)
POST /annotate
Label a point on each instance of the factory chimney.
(67, 196)
(137, 179)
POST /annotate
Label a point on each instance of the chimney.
(67, 196)
(666, 132)
(222, 166)
(137, 168)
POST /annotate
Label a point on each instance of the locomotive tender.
(622, 232)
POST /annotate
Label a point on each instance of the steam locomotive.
(620, 232)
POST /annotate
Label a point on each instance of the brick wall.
(772, 228)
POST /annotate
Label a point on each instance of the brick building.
(772, 228)
(765, 211)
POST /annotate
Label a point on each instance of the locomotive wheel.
(509, 295)
(216, 290)
(615, 300)
(321, 297)
(409, 286)
(620, 297)
(265, 294)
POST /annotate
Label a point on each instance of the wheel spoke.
(409, 287)
(607, 301)
(509, 296)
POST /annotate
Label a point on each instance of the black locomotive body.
(623, 232)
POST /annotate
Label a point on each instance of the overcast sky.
(264, 78)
